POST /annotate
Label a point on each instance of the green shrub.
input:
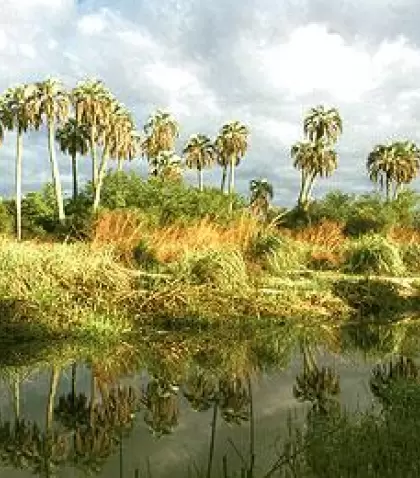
(262, 244)
(223, 269)
(289, 255)
(373, 254)
(169, 201)
(145, 257)
(411, 257)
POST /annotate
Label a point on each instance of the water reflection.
(97, 411)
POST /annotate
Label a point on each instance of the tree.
(73, 139)
(92, 102)
(199, 154)
(161, 131)
(52, 104)
(312, 160)
(315, 156)
(261, 194)
(18, 113)
(232, 143)
(114, 136)
(393, 165)
(322, 125)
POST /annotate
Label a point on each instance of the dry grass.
(327, 234)
(404, 235)
(174, 242)
(125, 229)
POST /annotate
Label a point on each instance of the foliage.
(373, 254)
(223, 269)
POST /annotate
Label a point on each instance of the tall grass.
(374, 254)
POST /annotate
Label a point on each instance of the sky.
(263, 62)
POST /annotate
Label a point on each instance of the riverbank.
(84, 291)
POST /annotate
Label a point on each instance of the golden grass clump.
(404, 235)
(328, 234)
(173, 242)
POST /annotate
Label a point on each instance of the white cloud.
(254, 60)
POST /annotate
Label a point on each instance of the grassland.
(130, 274)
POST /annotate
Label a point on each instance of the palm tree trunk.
(301, 197)
(388, 188)
(310, 186)
(75, 174)
(120, 165)
(94, 155)
(55, 375)
(100, 180)
(224, 174)
(397, 190)
(200, 179)
(232, 175)
(18, 179)
(55, 173)
(212, 439)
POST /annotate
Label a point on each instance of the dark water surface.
(167, 404)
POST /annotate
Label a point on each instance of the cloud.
(261, 61)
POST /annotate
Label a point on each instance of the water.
(143, 394)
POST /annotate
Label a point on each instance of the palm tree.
(52, 103)
(261, 194)
(322, 125)
(168, 165)
(381, 166)
(114, 136)
(232, 143)
(18, 113)
(407, 156)
(199, 154)
(312, 160)
(91, 101)
(73, 139)
(128, 149)
(161, 131)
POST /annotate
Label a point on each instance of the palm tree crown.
(199, 154)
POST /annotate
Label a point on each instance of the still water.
(209, 403)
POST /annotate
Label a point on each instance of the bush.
(169, 201)
(145, 257)
(288, 256)
(373, 255)
(324, 260)
(223, 269)
(411, 257)
(263, 244)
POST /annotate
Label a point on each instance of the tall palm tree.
(161, 131)
(114, 134)
(313, 160)
(407, 155)
(323, 125)
(232, 143)
(73, 139)
(199, 154)
(91, 100)
(381, 166)
(261, 194)
(18, 113)
(52, 104)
